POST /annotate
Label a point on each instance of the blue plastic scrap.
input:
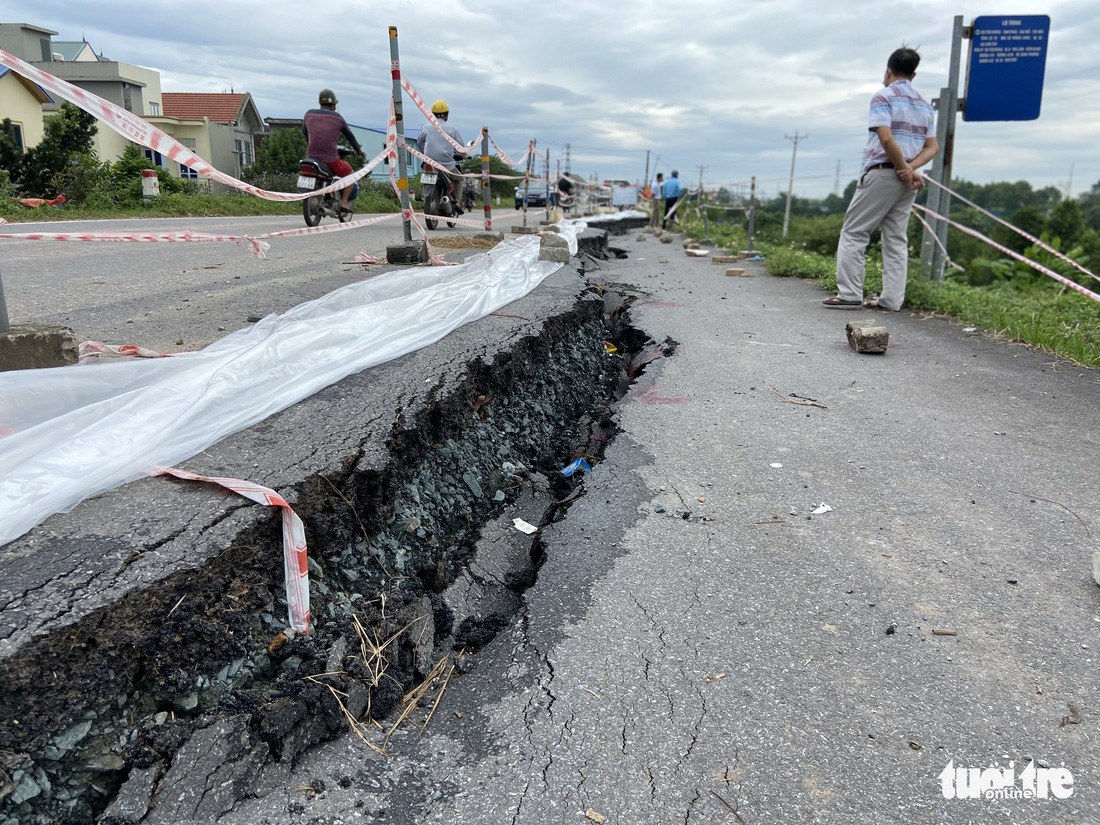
(579, 464)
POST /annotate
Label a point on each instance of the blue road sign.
(1004, 73)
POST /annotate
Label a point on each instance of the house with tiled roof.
(223, 128)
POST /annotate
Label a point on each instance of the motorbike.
(469, 199)
(313, 175)
(438, 196)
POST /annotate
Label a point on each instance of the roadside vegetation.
(993, 292)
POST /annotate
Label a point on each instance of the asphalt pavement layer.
(701, 646)
(176, 297)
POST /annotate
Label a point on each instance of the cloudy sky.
(694, 82)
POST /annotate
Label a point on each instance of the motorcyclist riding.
(439, 149)
(322, 128)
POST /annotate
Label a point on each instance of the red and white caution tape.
(522, 159)
(426, 110)
(1012, 253)
(140, 131)
(90, 351)
(476, 224)
(295, 558)
(257, 243)
(939, 243)
(1038, 242)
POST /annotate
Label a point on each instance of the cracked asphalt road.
(185, 297)
(700, 647)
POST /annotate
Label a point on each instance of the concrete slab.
(412, 252)
(34, 346)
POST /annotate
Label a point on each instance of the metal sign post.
(5, 327)
(402, 172)
(527, 178)
(485, 192)
(931, 255)
(1004, 81)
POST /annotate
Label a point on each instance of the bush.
(126, 188)
(67, 133)
(277, 155)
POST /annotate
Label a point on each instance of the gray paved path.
(700, 647)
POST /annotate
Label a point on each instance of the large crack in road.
(166, 704)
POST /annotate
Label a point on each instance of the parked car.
(537, 194)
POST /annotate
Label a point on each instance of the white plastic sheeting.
(70, 432)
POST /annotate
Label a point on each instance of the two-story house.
(223, 129)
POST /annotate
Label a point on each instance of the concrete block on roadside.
(737, 273)
(412, 252)
(553, 239)
(525, 230)
(555, 254)
(34, 346)
(867, 336)
(724, 259)
(489, 236)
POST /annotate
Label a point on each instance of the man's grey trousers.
(882, 199)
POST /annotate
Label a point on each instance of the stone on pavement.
(410, 252)
(867, 336)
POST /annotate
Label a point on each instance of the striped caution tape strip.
(295, 557)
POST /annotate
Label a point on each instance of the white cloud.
(697, 82)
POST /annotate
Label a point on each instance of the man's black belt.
(886, 165)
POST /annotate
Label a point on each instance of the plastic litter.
(579, 464)
(776, 466)
(71, 432)
(524, 527)
(824, 508)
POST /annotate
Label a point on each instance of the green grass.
(1036, 311)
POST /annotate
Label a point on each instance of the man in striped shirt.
(901, 140)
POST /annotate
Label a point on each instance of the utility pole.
(1069, 186)
(752, 211)
(703, 206)
(567, 158)
(645, 180)
(836, 184)
(790, 183)
(947, 106)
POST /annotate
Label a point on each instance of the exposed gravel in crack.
(183, 693)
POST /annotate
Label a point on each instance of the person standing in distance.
(439, 149)
(322, 128)
(672, 191)
(656, 191)
(901, 140)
